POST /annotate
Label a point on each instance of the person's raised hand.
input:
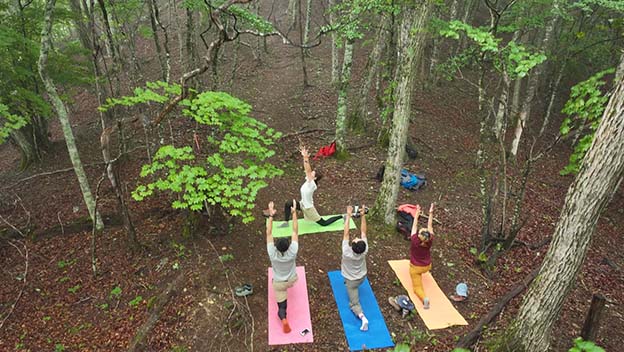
(362, 210)
(304, 151)
(349, 210)
(293, 208)
(272, 210)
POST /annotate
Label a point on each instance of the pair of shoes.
(284, 224)
(394, 304)
(285, 326)
(244, 290)
(426, 303)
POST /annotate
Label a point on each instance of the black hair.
(426, 234)
(318, 176)
(358, 247)
(282, 244)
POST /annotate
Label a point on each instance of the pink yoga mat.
(298, 313)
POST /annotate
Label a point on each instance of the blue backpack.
(411, 181)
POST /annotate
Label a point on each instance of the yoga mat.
(377, 335)
(306, 226)
(298, 313)
(441, 313)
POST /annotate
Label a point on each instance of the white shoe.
(364, 326)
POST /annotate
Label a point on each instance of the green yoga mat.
(306, 226)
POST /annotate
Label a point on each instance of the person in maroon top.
(420, 254)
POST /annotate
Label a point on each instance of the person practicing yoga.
(353, 266)
(306, 205)
(420, 254)
(283, 253)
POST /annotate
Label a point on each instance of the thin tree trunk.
(304, 66)
(292, 13)
(598, 179)
(372, 66)
(63, 115)
(109, 33)
(533, 83)
(156, 13)
(191, 52)
(341, 108)
(159, 51)
(335, 69)
(81, 27)
(306, 29)
(412, 38)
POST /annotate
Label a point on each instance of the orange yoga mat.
(441, 313)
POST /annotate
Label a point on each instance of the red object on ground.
(326, 150)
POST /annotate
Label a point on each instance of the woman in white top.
(306, 205)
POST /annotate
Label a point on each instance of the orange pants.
(416, 275)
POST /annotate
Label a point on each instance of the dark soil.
(61, 303)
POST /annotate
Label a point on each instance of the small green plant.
(396, 282)
(62, 264)
(135, 302)
(59, 347)
(103, 306)
(63, 279)
(179, 248)
(46, 318)
(402, 347)
(226, 257)
(179, 348)
(115, 292)
(74, 289)
(581, 345)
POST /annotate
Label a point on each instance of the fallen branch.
(159, 304)
(471, 338)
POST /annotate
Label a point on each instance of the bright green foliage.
(21, 89)
(584, 109)
(352, 16)
(511, 57)
(250, 20)
(9, 122)
(581, 345)
(402, 347)
(233, 171)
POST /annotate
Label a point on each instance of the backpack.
(326, 150)
(411, 181)
(404, 224)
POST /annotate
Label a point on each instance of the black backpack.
(404, 224)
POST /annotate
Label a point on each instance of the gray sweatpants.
(354, 295)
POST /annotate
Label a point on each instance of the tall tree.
(599, 177)
(412, 38)
(63, 115)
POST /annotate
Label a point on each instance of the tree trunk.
(292, 13)
(372, 66)
(335, 69)
(600, 175)
(302, 51)
(341, 108)
(412, 38)
(594, 316)
(533, 83)
(159, 51)
(109, 33)
(167, 58)
(191, 51)
(31, 140)
(63, 115)
(306, 29)
(83, 30)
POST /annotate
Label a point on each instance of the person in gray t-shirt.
(353, 266)
(283, 253)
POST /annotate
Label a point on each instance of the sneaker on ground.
(426, 303)
(285, 326)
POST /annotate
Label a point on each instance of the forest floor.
(62, 306)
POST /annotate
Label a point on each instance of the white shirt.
(353, 266)
(284, 266)
(307, 191)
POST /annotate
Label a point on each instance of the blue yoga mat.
(377, 335)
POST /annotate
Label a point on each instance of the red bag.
(326, 150)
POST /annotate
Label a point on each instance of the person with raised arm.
(283, 253)
(353, 265)
(306, 205)
(420, 254)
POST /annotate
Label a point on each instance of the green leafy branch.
(236, 168)
(11, 122)
(584, 109)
